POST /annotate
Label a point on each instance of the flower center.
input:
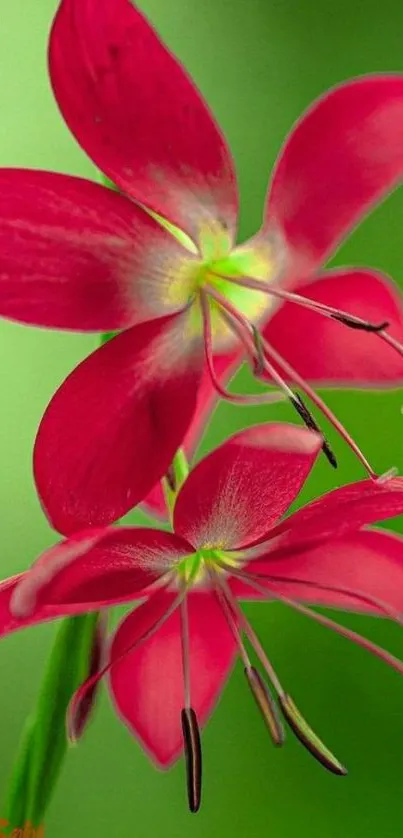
(258, 258)
(194, 569)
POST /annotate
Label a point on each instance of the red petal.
(344, 154)
(341, 511)
(138, 115)
(324, 351)
(225, 366)
(112, 428)
(97, 568)
(368, 562)
(239, 491)
(147, 684)
(79, 256)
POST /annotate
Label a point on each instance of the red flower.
(171, 656)
(160, 261)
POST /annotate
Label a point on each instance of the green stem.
(44, 742)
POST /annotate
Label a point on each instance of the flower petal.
(98, 568)
(91, 570)
(134, 110)
(369, 562)
(239, 491)
(341, 511)
(343, 155)
(225, 366)
(147, 684)
(324, 351)
(76, 255)
(112, 428)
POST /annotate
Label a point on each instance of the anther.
(308, 738)
(266, 704)
(193, 756)
(361, 325)
(312, 424)
(170, 478)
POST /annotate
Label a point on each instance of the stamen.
(265, 398)
(343, 317)
(230, 618)
(330, 416)
(392, 342)
(296, 378)
(353, 323)
(193, 756)
(312, 424)
(308, 737)
(328, 311)
(266, 704)
(296, 721)
(250, 634)
(384, 607)
(356, 638)
(247, 334)
(259, 688)
(261, 365)
(185, 649)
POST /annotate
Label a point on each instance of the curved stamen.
(253, 399)
(247, 334)
(380, 604)
(320, 308)
(257, 685)
(185, 649)
(349, 634)
(261, 365)
(392, 342)
(313, 396)
(295, 719)
(250, 634)
(344, 317)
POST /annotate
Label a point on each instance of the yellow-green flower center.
(195, 569)
(260, 258)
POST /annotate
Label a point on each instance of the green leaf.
(44, 743)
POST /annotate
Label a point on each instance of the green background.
(259, 63)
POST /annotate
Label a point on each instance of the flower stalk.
(44, 743)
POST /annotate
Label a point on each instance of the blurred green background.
(259, 63)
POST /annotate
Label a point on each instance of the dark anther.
(170, 478)
(193, 756)
(266, 704)
(312, 424)
(356, 324)
(308, 738)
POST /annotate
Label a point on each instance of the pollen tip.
(329, 454)
(193, 757)
(266, 704)
(308, 738)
